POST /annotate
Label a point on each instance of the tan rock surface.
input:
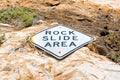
(22, 62)
(112, 3)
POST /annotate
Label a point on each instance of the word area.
(59, 39)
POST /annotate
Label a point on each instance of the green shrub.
(114, 56)
(112, 41)
(113, 37)
(18, 16)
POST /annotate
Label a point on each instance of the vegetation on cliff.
(20, 17)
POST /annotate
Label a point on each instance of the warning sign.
(60, 40)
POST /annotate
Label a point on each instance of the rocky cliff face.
(20, 60)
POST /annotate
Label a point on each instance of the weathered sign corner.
(60, 41)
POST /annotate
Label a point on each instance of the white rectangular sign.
(60, 40)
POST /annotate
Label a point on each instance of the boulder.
(20, 60)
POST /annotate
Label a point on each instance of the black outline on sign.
(68, 53)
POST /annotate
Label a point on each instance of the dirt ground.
(101, 21)
(106, 31)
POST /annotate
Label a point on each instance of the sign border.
(68, 53)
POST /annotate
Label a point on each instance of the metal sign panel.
(60, 40)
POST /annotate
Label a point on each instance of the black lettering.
(51, 38)
(48, 32)
(66, 38)
(47, 45)
(72, 44)
(71, 32)
(45, 38)
(56, 44)
(59, 37)
(74, 38)
(63, 32)
(63, 44)
(56, 32)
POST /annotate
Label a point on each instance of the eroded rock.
(30, 63)
(22, 61)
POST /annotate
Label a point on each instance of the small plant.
(20, 17)
(2, 38)
(114, 56)
(113, 37)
